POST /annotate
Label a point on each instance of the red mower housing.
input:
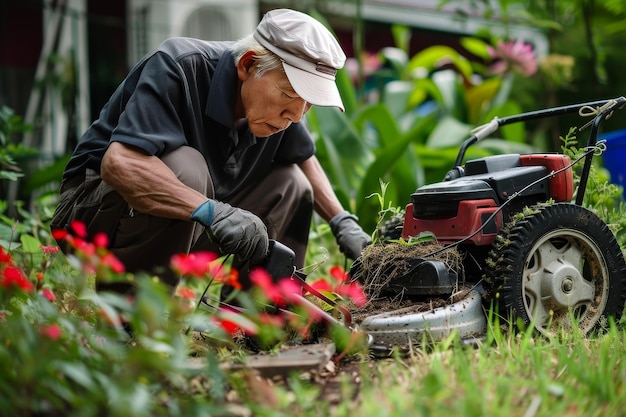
(473, 205)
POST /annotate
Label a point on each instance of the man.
(209, 136)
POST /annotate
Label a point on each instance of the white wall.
(152, 21)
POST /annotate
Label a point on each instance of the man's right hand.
(237, 231)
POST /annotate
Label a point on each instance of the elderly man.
(209, 136)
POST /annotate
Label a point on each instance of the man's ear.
(245, 65)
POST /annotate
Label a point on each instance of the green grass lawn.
(505, 375)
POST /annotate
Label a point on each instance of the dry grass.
(381, 264)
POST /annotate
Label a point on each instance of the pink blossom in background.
(49, 249)
(514, 56)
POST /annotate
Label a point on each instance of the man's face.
(270, 104)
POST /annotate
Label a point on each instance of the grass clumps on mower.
(381, 267)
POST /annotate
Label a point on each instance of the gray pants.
(145, 243)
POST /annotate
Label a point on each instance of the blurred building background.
(61, 59)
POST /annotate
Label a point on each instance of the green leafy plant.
(424, 108)
(602, 196)
(67, 349)
(11, 150)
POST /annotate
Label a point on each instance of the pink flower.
(52, 331)
(49, 249)
(48, 294)
(101, 240)
(370, 61)
(263, 281)
(288, 288)
(514, 56)
(110, 260)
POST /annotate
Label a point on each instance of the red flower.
(231, 320)
(231, 279)
(196, 264)
(52, 331)
(228, 326)
(354, 291)
(339, 274)
(186, 293)
(13, 276)
(59, 234)
(82, 246)
(5, 257)
(79, 228)
(110, 260)
(342, 286)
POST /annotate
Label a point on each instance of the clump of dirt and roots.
(380, 264)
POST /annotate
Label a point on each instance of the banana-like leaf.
(479, 98)
(340, 148)
(393, 166)
(434, 56)
(449, 132)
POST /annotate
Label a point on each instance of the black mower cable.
(203, 295)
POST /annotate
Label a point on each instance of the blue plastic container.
(614, 157)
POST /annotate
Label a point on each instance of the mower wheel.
(558, 262)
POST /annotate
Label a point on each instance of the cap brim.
(317, 90)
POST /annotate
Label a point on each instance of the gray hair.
(266, 60)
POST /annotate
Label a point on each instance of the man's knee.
(190, 168)
(295, 183)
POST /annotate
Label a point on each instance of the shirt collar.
(221, 100)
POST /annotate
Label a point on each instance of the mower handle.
(484, 131)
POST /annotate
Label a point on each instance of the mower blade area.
(405, 327)
(425, 278)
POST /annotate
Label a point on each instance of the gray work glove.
(235, 230)
(350, 237)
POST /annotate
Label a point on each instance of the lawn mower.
(507, 231)
(503, 231)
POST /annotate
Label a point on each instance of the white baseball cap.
(310, 53)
